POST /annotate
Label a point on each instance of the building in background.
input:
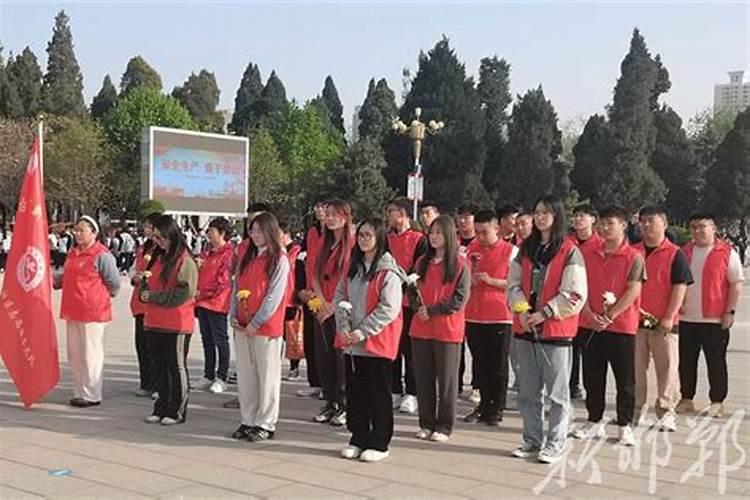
(734, 96)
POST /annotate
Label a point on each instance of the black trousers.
(602, 349)
(713, 341)
(330, 363)
(462, 363)
(404, 384)
(575, 371)
(490, 346)
(215, 341)
(146, 368)
(170, 352)
(369, 416)
(308, 331)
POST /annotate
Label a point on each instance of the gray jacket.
(354, 291)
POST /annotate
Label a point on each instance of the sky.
(573, 49)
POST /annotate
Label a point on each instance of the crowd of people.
(381, 309)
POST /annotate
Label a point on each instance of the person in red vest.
(262, 284)
(466, 234)
(708, 313)
(170, 318)
(368, 320)
(428, 212)
(144, 259)
(668, 273)
(406, 246)
(212, 304)
(331, 264)
(506, 216)
(488, 318)
(437, 329)
(524, 225)
(90, 279)
(615, 272)
(546, 291)
(584, 236)
(293, 309)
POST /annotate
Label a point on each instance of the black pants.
(146, 368)
(308, 326)
(369, 416)
(403, 362)
(600, 350)
(215, 341)
(436, 365)
(3, 258)
(330, 363)
(462, 365)
(710, 338)
(170, 352)
(575, 371)
(490, 345)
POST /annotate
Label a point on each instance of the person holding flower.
(546, 291)
(262, 281)
(609, 322)
(368, 320)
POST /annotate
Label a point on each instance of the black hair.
(653, 210)
(585, 208)
(223, 226)
(485, 216)
(450, 259)
(506, 210)
(702, 216)
(381, 247)
(284, 227)
(467, 208)
(531, 245)
(170, 231)
(402, 204)
(430, 204)
(614, 211)
(270, 228)
(258, 207)
(149, 244)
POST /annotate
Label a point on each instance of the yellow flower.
(315, 304)
(243, 294)
(146, 274)
(521, 307)
(147, 258)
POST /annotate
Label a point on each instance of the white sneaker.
(203, 384)
(155, 396)
(351, 451)
(590, 430)
(309, 392)
(474, 396)
(439, 437)
(374, 455)
(715, 410)
(152, 419)
(396, 400)
(218, 386)
(625, 435)
(169, 421)
(424, 434)
(408, 405)
(668, 422)
(550, 455)
(525, 451)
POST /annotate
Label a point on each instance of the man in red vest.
(615, 272)
(466, 234)
(668, 273)
(428, 212)
(708, 313)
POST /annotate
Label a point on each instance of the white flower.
(345, 306)
(609, 299)
(412, 279)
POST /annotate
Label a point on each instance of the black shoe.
(493, 419)
(576, 393)
(82, 403)
(326, 414)
(473, 417)
(243, 432)
(260, 434)
(232, 379)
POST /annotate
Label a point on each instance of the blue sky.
(573, 49)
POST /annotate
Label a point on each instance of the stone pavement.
(53, 450)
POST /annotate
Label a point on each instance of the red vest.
(313, 241)
(403, 247)
(445, 328)
(216, 261)
(255, 279)
(489, 304)
(292, 254)
(332, 272)
(180, 319)
(714, 283)
(85, 297)
(552, 328)
(609, 273)
(594, 241)
(657, 289)
(138, 308)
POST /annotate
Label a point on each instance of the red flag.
(28, 340)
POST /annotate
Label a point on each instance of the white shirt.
(692, 308)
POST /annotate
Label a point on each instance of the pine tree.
(268, 174)
(591, 168)
(10, 104)
(335, 110)
(248, 93)
(25, 75)
(494, 93)
(104, 100)
(200, 96)
(139, 73)
(271, 103)
(62, 86)
(377, 112)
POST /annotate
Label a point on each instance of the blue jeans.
(544, 366)
(215, 339)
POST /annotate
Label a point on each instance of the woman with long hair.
(169, 296)
(331, 264)
(90, 279)
(262, 284)
(546, 291)
(369, 320)
(438, 328)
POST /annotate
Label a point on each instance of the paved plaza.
(54, 450)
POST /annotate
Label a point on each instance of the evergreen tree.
(335, 110)
(494, 93)
(25, 75)
(248, 93)
(591, 168)
(377, 112)
(62, 86)
(10, 104)
(268, 176)
(200, 96)
(139, 73)
(271, 103)
(104, 100)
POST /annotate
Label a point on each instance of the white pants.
(86, 358)
(258, 379)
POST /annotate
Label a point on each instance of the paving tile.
(325, 477)
(226, 477)
(131, 479)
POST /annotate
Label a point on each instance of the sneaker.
(83, 403)
(626, 436)
(325, 415)
(374, 455)
(292, 376)
(242, 432)
(715, 410)
(143, 393)
(218, 386)
(473, 417)
(408, 405)
(550, 455)
(351, 452)
(439, 437)
(203, 384)
(424, 434)
(396, 400)
(474, 396)
(309, 392)
(685, 406)
(233, 403)
(170, 421)
(590, 430)
(339, 419)
(493, 419)
(232, 379)
(526, 450)
(154, 395)
(668, 423)
(152, 419)
(260, 434)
